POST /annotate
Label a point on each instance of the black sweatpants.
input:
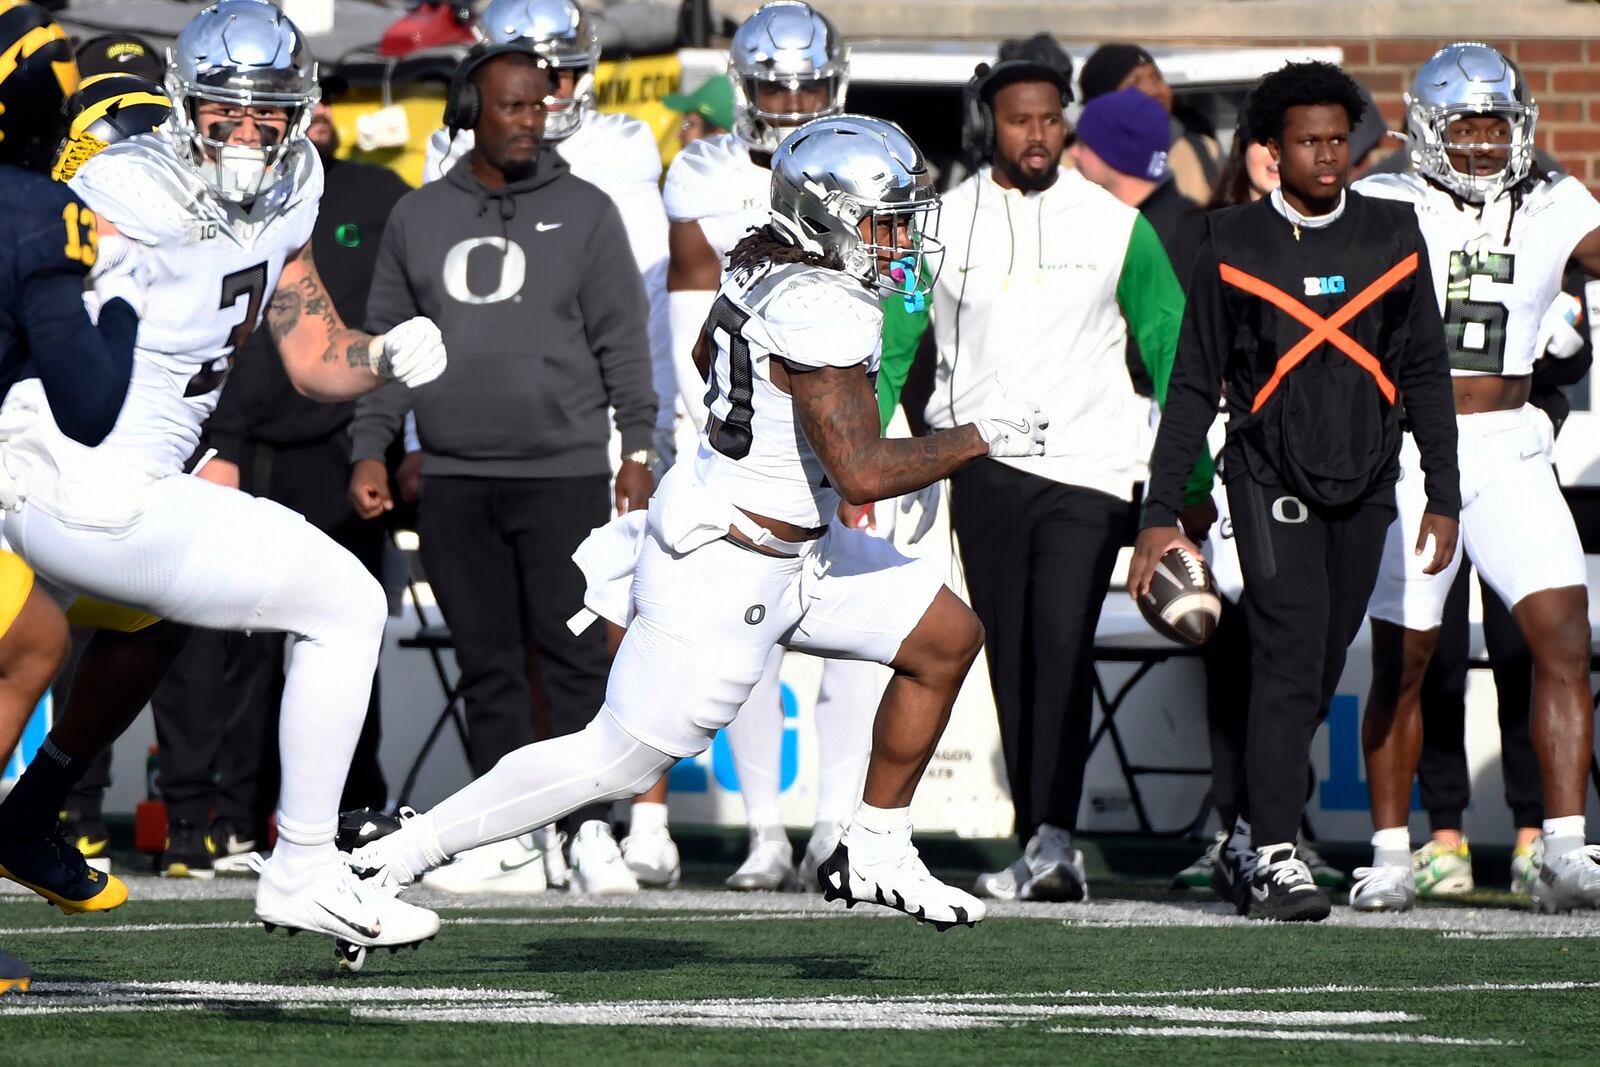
(1038, 557)
(1308, 574)
(498, 554)
(1445, 777)
(1227, 662)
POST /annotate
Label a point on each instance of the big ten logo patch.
(690, 775)
(1333, 283)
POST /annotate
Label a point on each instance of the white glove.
(412, 352)
(119, 272)
(1013, 428)
(925, 503)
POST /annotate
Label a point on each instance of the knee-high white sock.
(847, 704)
(755, 737)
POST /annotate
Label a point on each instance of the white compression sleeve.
(847, 705)
(689, 309)
(755, 738)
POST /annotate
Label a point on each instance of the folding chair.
(435, 639)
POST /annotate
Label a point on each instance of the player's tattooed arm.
(838, 411)
(326, 359)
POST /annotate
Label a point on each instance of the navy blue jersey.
(47, 245)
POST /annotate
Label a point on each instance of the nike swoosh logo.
(963, 270)
(364, 931)
(545, 227)
(509, 867)
(1260, 892)
(1020, 427)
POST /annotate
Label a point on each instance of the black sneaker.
(87, 833)
(188, 853)
(1229, 881)
(1282, 889)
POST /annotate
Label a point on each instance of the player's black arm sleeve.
(1430, 400)
(84, 367)
(1192, 392)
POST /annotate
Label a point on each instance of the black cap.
(990, 80)
(120, 53)
(1104, 70)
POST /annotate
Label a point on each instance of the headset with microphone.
(463, 104)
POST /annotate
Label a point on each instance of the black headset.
(463, 104)
(977, 109)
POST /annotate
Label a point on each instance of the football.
(1183, 603)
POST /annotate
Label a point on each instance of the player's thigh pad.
(862, 597)
(1404, 595)
(703, 627)
(1516, 524)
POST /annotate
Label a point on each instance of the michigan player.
(48, 244)
(1499, 239)
(217, 208)
(740, 552)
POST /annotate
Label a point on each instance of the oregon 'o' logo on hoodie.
(513, 271)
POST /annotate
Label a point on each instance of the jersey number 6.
(1475, 330)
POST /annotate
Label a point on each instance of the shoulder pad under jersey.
(817, 317)
(625, 147)
(140, 186)
(697, 181)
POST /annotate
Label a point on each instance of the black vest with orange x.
(1319, 325)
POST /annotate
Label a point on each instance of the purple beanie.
(1130, 131)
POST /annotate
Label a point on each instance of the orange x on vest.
(1330, 329)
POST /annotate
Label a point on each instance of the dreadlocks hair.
(766, 245)
(1300, 85)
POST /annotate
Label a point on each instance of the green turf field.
(715, 978)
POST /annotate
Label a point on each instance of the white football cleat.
(338, 903)
(1387, 888)
(901, 883)
(1055, 868)
(652, 856)
(514, 866)
(1568, 881)
(557, 875)
(1004, 885)
(597, 864)
(824, 839)
(769, 866)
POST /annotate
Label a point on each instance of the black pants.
(216, 713)
(1227, 662)
(1308, 574)
(1038, 557)
(498, 554)
(1443, 772)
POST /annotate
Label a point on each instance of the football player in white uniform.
(216, 210)
(740, 552)
(788, 67)
(1499, 239)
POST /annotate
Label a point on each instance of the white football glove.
(1014, 428)
(119, 272)
(925, 504)
(412, 352)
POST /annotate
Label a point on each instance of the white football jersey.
(752, 452)
(713, 182)
(211, 270)
(1494, 275)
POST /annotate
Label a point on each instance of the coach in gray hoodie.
(528, 273)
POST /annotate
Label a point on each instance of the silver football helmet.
(1470, 79)
(831, 174)
(245, 53)
(560, 32)
(789, 44)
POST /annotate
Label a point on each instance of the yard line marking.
(465, 920)
(257, 992)
(1276, 1035)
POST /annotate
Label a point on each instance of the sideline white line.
(465, 920)
(1275, 1035)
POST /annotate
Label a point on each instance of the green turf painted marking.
(1235, 1034)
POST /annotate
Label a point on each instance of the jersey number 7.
(251, 283)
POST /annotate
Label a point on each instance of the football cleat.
(55, 870)
(1568, 881)
(1323, 873)
(88, 835)
(514, 866)
(769, 866)
(1198, 874)
(557, 875)
(652, 856)
(15, 976)
(1387, 888)
(901, 883)
(1282, 889)
(338, 903)
(824, 839)
(1442, 870)
(597, 864)
(361, 827)
(1003, 885)
(189, 852)
(1525, 860)
(1230, 879)
(1055, 868)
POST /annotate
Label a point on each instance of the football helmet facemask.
(790, 45)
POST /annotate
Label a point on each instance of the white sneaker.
(1055, 868)
(1387, 888)
(769, 866)
(597, 864)
(652, 856)
(557, 875)
(514, 866)
(1003, 885)
(901, 883)
(1570, 880)
(338, 903)
(824, 839)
